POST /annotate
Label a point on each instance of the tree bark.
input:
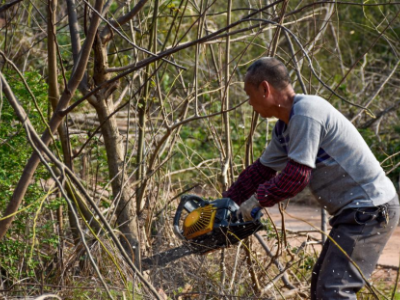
(125, 206)
(104, 106)
(54, 95)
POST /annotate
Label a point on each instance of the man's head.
(268, 69)
(267, 84)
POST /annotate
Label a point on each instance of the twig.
(237, 255)
(177, 196)
(396, 282)
(47, 296)
(393, 168)
(389, 157)
(277, 277)
(369, 48)
(8, 5)
(126, 39)
(275, 261)
(377, 92)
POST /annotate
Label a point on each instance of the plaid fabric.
(292, 180)
(248, 182)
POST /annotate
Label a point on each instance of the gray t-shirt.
(345, 172)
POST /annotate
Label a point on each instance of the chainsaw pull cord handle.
(181, 206)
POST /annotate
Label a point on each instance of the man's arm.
(248, 182)
(292, 180)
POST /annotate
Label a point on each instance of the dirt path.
(390, 255)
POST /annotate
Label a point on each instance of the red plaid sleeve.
(292, 180)
(248, 182)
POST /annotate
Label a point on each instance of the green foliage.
(39, 90)
(14, 153)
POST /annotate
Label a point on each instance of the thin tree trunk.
(226, 174)
(54, 96)
(140, 158)
(125, 206)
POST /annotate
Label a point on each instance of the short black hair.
(269, 69)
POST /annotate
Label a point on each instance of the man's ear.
(266, 88)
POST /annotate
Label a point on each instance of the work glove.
(249, 208)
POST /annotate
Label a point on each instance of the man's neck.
(284, 104)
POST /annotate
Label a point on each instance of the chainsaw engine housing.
(211, 225)
(200, 221)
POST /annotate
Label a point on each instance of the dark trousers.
(363, 235)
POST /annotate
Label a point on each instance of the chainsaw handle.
(255, 213)
(195, 201)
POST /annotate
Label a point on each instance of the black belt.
(381, 214)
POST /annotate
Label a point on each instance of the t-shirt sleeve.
(274, 156)
(305, 139)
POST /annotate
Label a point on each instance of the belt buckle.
(384, 215)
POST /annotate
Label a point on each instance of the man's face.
(257, 100)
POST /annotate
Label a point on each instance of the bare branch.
(366, 105)
(106, 33)
(8, 5)
(369, 48)
(125, 38)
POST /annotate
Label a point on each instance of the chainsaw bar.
(163, 258)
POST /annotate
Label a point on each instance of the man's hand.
(247, 206)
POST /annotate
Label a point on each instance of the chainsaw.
(206, 226)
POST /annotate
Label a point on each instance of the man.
(313, 143)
